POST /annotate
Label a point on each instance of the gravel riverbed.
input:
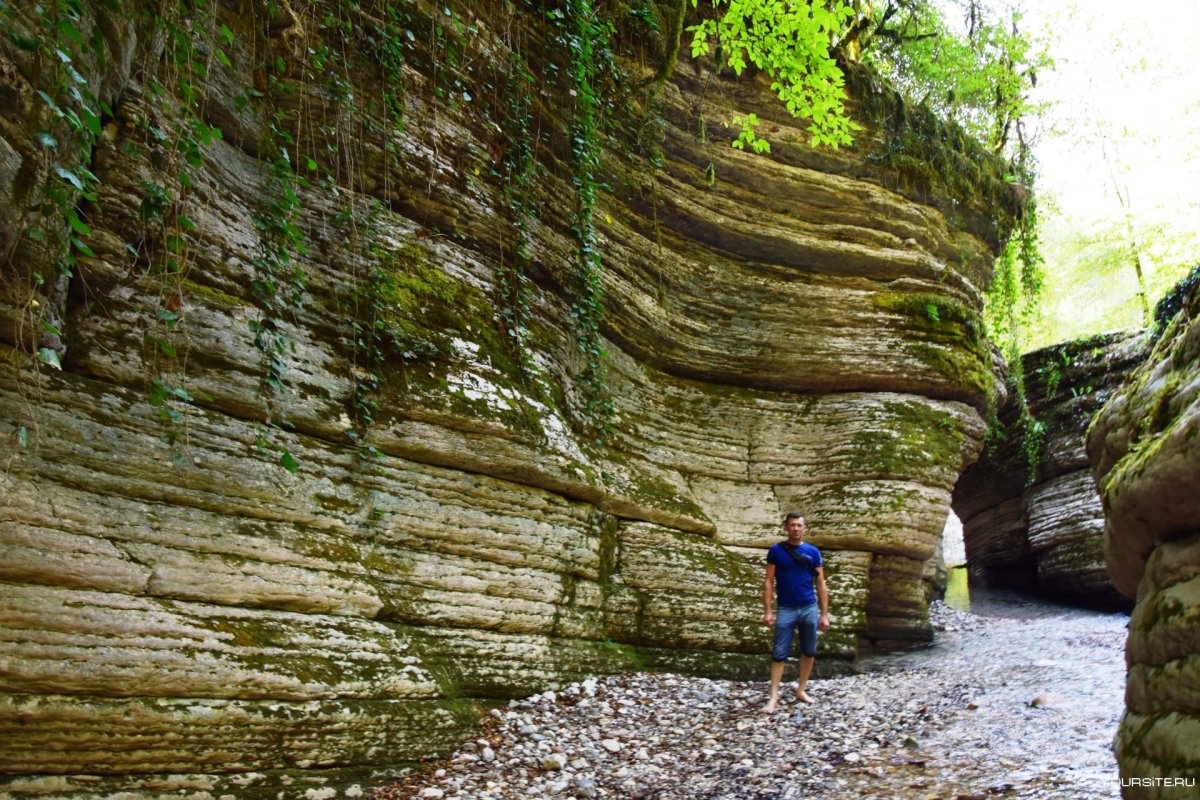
(1020, 700)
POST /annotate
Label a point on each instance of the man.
(795, 573)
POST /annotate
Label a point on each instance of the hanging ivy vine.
(55, 185)
(518, 169)
(586, 34)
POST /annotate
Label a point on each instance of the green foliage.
(1126, 180)
(69, 42)
(279, 284)
(1011, 303)
(1013, 297)
(177, 131)
(1032, 433)
(390, 40)
(749, 136)
(932, 308)
(1092, 287)
(57, 185)
(791, 43)
(1051, 372)
(586, 35)
(978, 75)
(518, 168)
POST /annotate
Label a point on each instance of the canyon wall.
(1032, 518)
(1145, 452)
(315, 438)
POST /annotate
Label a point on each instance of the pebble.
(900, 730)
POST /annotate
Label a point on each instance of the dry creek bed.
(1020, 700)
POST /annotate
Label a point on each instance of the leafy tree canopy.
(968, 59)
(793, 43)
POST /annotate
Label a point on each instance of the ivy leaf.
(70, 177)
(93, 123)
(77, 225)
(25, 43)
(49, 358)
(182, 394)
(71, 31)
(78, 244)
(49, 101)
(288, 462)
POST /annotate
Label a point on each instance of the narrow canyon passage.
(1016, 699)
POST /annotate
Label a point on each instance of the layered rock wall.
(1032, 518)
(325, 464)
(1145, 452)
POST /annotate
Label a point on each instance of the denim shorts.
(788, 620)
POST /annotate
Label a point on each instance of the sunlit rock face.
(1145, 452)
(198, 601)
(1032, 518)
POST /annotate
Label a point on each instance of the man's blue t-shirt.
(795, 585)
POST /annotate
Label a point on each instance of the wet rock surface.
(1015, 700)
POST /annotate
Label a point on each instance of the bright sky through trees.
(1119, 156)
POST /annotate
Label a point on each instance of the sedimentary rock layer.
(332, 455)
(1145, 455)
(1032, 518)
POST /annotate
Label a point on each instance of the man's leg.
(776, 679)
(806, 665)
(807, 626)
(785, 627)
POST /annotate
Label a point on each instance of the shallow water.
(1046, 687)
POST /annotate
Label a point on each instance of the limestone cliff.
(1145, 455)
(1032, 518)
(341, 445)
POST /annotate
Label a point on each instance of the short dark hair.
(791, 515)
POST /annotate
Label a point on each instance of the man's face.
(796, 528)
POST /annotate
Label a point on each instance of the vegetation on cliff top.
(977, 77)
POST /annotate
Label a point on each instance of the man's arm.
(768, 596)
(822, 600)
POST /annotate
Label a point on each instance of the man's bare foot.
(770, 707)
(803, 697)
